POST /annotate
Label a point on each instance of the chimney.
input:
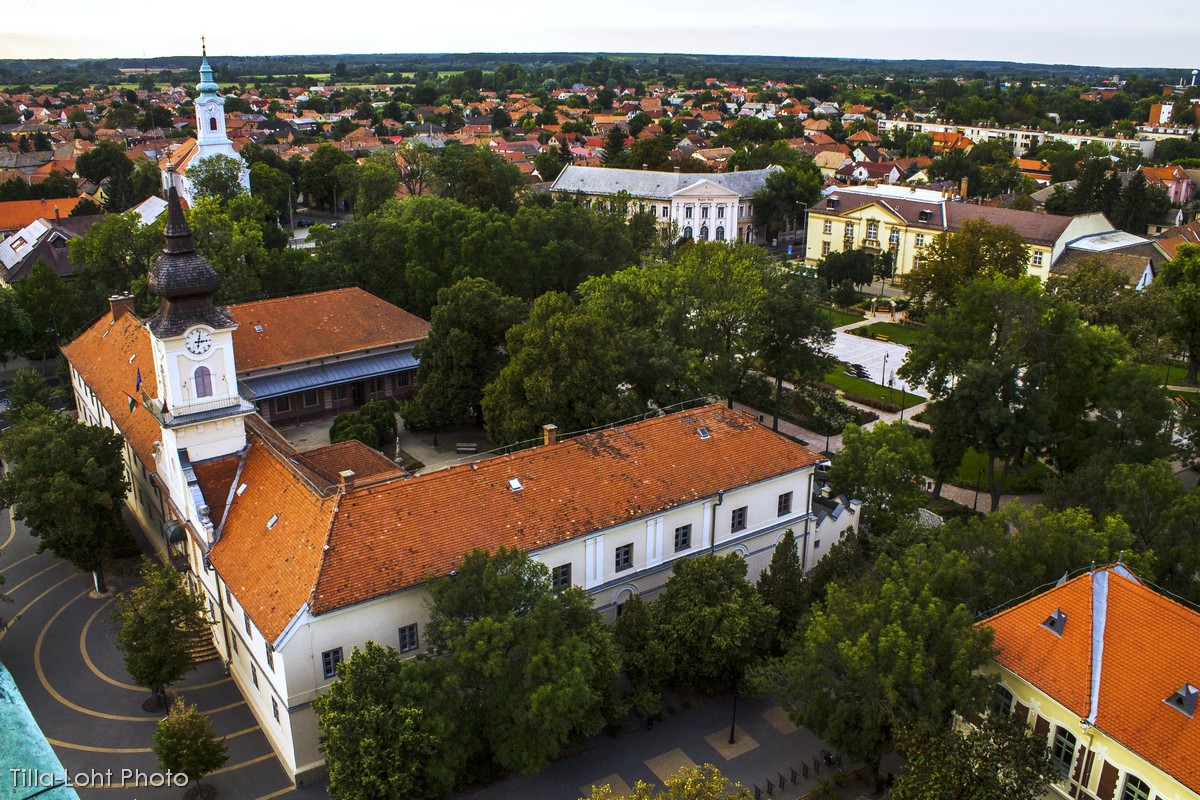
(120, 304)
(964, 187)
(57, 215)
(345, 478)
(549, 434)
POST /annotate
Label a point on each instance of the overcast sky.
(1115, 33)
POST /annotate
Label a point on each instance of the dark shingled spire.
(184, 280)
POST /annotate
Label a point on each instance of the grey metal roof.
(640, 183)
(267, 386)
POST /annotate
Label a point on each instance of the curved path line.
(32, 577)
(89, 749)
(280, 793)
(12, 528)
(31, 604)
(233, 767)
(87, 659)
(7, 567)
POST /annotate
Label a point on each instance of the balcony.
(872, 245)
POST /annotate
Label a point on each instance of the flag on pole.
(138, 387)
(132, 402)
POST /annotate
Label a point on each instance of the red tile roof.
(392, 534)
(1149, 652)
(348, 320)
(16, 214)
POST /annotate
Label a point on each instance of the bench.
(466, 447)
(880, 337)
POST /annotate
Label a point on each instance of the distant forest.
(636, 66)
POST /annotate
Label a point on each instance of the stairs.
(202, 648)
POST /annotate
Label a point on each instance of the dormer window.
(1185, 699)
(924, 215)
(1055, 622)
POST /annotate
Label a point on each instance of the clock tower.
(198, 405)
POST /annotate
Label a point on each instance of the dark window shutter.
(1021, 712)
(1041, 727)
(1087, 769)
(1108, 782)
(1078, 763)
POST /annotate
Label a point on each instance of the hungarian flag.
(138, 387)
(132, 402)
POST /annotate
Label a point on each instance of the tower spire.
(203, 47)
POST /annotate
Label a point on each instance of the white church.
(211, 138)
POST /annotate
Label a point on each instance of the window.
(704, 212)
(283, 404)
(340, 392)
(784, 505)
(1037, 259)
(228, 596)
(409, 640)
(310, 398)
(687, 232)
(275, 708)
(824, 248)
(233, 640)
(624, 559)
(920, 240)
(720, 212)
(1063, 752)
(872, 230)
(254, 675)
(741, 211)
(560, 576)
(1135, 789)
(1001, 702)
(270, 656)
(246, 619)
(212, 123)
(916, 262)
(683, 537)
(704, 233)
(329, 661)
(828, 228)
(377, 384)
(894, 237)
(687, 212)
(203, 382)
(849, 230)
(737, 520)
(720, 234)
(403, 379)
(666, 212)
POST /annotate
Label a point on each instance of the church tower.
(198, 406)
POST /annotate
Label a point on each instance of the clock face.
(197, 341)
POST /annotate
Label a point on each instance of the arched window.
(212, 123)
(1135, 789)
(687, 232)
(704, 234)
(203, 382)
(720, 234)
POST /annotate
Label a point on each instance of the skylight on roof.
(704, 433)
(1055, 622)
(241, 489)
(515, 484)
(258, 328)
(271, 522)
(1185, 699)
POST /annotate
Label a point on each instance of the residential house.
(43, 240)
(1105, 670)
(1173, 180)
(16, 214)
(1135, 257)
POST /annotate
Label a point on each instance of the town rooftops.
(1119, 656)
(293, 330)
(640, 183)
(330, 547)
(16, 214)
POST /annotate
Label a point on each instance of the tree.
(218, 176)
(374, 182)
(464, 351)
(319, 174)
(105, 160)
(15, 326)
(998, 759)
(846, 266)
(86, 207)
(158, 624)
(526, 668)
(186, 743)
(273, 187)
(565, 368)
(704, 782)
(29, 396)
(784, 197)
(977, 249)
(884, 467)
(796, 334)
(643, 655)
(781, 584)
(378, 745)
(416, 160)
(66, 481)
(52, 307)
(115, 253)
(614, 146)
(875, 654)
(1180, 282)
(1139, 204)
(477, 177)
(718, 623)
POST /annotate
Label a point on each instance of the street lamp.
(978, 480)
(883, 373)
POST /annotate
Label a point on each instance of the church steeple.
(206, 85)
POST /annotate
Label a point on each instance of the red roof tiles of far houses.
(16, 214)
(1148, 653)
(310, 326)
(388, 534)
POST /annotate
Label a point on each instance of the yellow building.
(1106, 670)
(903, 221)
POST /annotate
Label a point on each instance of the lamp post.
(902, 401)
(978, 480)
(883, 373)
(733, 721)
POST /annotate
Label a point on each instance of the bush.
(414, 418)
(374, 425)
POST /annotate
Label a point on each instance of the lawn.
(1175, 371)
(900, 334)
(857, 386)
(1028, 478)
(838, 318)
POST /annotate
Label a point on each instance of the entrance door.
(358, 393)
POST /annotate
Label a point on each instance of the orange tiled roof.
(367, 463)
(391, 534)
(102, 356)
(1149, 652)
(349, 320)
(216, 476)
(16, 214)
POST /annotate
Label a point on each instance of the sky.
(1111, 33)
